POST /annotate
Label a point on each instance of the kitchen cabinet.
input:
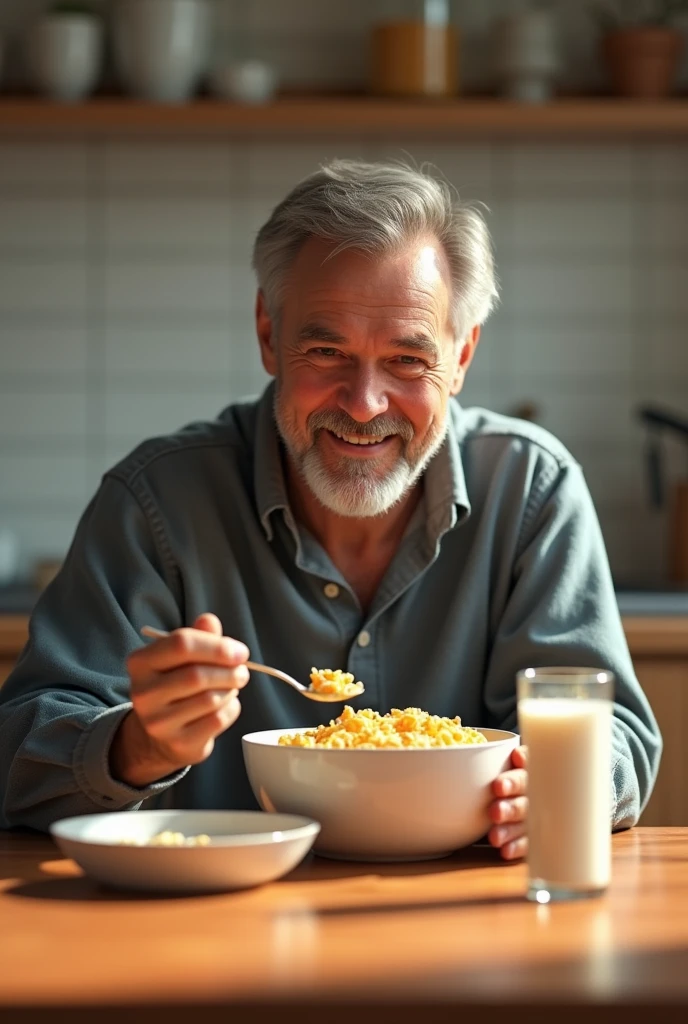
(659, 647)
(13, 634)
(660, 654)
(665, 681)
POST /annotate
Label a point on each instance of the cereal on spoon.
(336, 682)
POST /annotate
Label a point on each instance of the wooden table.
(336, 942)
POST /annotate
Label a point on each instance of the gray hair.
(378, 208)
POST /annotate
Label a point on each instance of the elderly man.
(354, 516)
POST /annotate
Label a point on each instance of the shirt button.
(363, 638)
(331, 590)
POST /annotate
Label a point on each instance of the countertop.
(447, 940)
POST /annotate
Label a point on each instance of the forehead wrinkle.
(427, 317)
(318, 332)
(367, 296)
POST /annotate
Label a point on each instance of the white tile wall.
(591, 227)
(129, 414)
(32, 481)
(558, 288)
(194, 227)
(166, 167)
(126, 295)
(188, 289)
(36, 349)
(37, 225)
(51, 417)
(568, 356)
(30, 168)
(199, 351)
(36, 286)
(571, 169)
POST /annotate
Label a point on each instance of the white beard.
(353, 488)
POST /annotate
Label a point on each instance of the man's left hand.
(509, 809)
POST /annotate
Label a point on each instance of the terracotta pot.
(643, 61)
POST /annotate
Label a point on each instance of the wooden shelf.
(358, 116)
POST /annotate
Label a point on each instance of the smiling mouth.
(360, 439)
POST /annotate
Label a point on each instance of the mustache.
(339, 423)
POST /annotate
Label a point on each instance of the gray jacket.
(502, 567)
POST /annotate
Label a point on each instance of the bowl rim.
(305, 829)
(256, 739)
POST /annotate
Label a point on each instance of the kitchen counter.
(447, 940)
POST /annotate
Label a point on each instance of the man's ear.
(266, 337)
(464, 356)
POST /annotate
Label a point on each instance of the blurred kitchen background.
(126, 295)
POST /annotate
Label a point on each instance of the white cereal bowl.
(247, 848)
(381, 805)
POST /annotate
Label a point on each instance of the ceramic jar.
(161, 47)
(64, 54)
(527, 55)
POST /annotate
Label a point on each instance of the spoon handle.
(256, 667)
(160, 634)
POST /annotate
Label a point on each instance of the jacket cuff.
(92, 767)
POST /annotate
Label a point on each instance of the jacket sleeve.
(63, 703)
(561, 610)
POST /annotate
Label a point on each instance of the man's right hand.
(184, 691)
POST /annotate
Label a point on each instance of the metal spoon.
(305, 691)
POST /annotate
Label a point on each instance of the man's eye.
(410, 361)
(322, 350)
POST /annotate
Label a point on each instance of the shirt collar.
(268, 472)
(446, 496)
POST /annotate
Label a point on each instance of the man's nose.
(363, 396)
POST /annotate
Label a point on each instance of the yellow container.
(412, 58)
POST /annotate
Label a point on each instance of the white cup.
(64, 55)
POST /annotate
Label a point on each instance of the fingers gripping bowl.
(381, 803)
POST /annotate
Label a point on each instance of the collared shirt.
(503, 567)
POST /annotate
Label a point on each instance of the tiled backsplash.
(126, 296)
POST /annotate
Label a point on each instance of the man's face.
(365, 363)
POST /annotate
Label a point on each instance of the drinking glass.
(565, 721)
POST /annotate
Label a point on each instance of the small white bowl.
(381, 805)
(247, 848)
(248, 81)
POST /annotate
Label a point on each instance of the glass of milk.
(565, 720)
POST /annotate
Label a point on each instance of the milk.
(569, 791)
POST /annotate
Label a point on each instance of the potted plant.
(65, 48)
(161, 47)
(641, 45)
